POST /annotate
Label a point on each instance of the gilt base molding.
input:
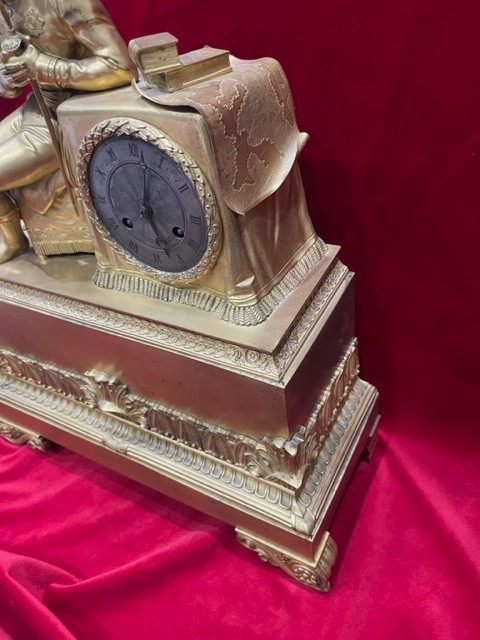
(261, 427)
(98, 417)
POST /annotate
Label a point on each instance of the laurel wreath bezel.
(146, 132)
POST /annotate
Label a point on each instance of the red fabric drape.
(390, 95)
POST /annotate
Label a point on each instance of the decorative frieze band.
(229, 355)
(129, 417)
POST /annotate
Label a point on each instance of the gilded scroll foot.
(314, 574)
(21, 435)
(371, 442)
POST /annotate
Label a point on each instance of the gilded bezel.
(144, 131)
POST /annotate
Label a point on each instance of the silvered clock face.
(147, 203)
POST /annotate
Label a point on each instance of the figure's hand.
(9, 88)
(19, 70)
(13, 76)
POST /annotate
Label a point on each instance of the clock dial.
(147, 203)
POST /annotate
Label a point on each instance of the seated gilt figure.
(66, 47)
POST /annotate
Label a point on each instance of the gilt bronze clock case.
(183, 354)
(244, 271)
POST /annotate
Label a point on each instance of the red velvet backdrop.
(390, 94)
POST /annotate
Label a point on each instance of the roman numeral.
(133, 148)
(183, 188)
(112, 224)
(111, 154)
(133, 246)
(193, 244)
(100, 172)
(195, 219)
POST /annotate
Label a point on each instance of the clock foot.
(313, 573)
(21, 435)
(371, 442)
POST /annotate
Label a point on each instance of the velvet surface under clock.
(390, 96)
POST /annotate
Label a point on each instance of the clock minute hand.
(145, 210)
(163, 244)
(146, 214)
(144, 173)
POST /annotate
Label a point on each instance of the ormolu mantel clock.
(218, 358)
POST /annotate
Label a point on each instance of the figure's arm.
(105, 65)
(108, 65)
